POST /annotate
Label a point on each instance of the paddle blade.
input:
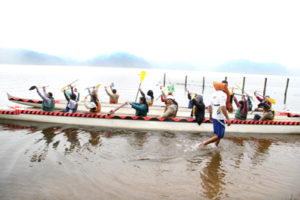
(143, 74)
(272, 101)
(32, 87)
(97, 86)
(238, 86)
(171, 88)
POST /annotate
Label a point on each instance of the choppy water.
(47, 161)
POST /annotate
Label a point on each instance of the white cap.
(170, 97)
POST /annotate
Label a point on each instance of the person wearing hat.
(268, 114)
(48, 100)
(218, 113)
(171, 107)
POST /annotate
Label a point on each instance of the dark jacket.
(200, 109)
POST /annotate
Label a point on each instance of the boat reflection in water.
(46, 161)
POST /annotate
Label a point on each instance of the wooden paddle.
(62, 89)
(121, 106)
(142, 76)
(33, 87)
(97, 87)
(244, 91)
(271, 100)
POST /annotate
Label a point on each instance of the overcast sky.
(208, 32)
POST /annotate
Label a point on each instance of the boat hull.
(150, 123)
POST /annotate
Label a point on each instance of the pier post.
(203, 84)
(286, 89)
(185, 83)
(244, 81)
(164, 80)
(225, 78)
(265, 87)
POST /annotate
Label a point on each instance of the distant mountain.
(118, 59)
(27, 57)
(249, 67)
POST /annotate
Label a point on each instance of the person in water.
(149, 97)
(94, 104)
(242, 111)
(218, 113)
(72, 104)
(113, 97)
(141, 107)
(48, 100)
(171, 107)
(199, 107)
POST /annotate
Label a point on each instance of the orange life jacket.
(97, 110)
(223, 87)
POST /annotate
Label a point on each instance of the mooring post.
(185, 83)
(164, 79)
(244, 81)
(203, 84)
(225, 78)
(286, 89)
(265, 87)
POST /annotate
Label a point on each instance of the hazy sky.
(199, 32)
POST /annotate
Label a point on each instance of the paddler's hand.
(193, 96)
(228, 122)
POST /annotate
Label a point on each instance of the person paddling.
(262, 102)
(242, 111)
(171, 107)
(141, 107)
(149, 97)
(199, 107)
(94, 104)
(48, 100)
(113, 97)
(72, 104)
(268, 114)
(218, 113)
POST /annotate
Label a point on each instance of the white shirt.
(218, 100)
(148, 99)
(71, 105)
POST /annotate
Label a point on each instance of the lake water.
(50, 161)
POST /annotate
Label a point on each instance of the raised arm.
(236, 102)
(44, 97)
(142, 93)
(66, 96)
(107, 92)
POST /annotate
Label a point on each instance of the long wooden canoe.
(150, 123)
(183, 112)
